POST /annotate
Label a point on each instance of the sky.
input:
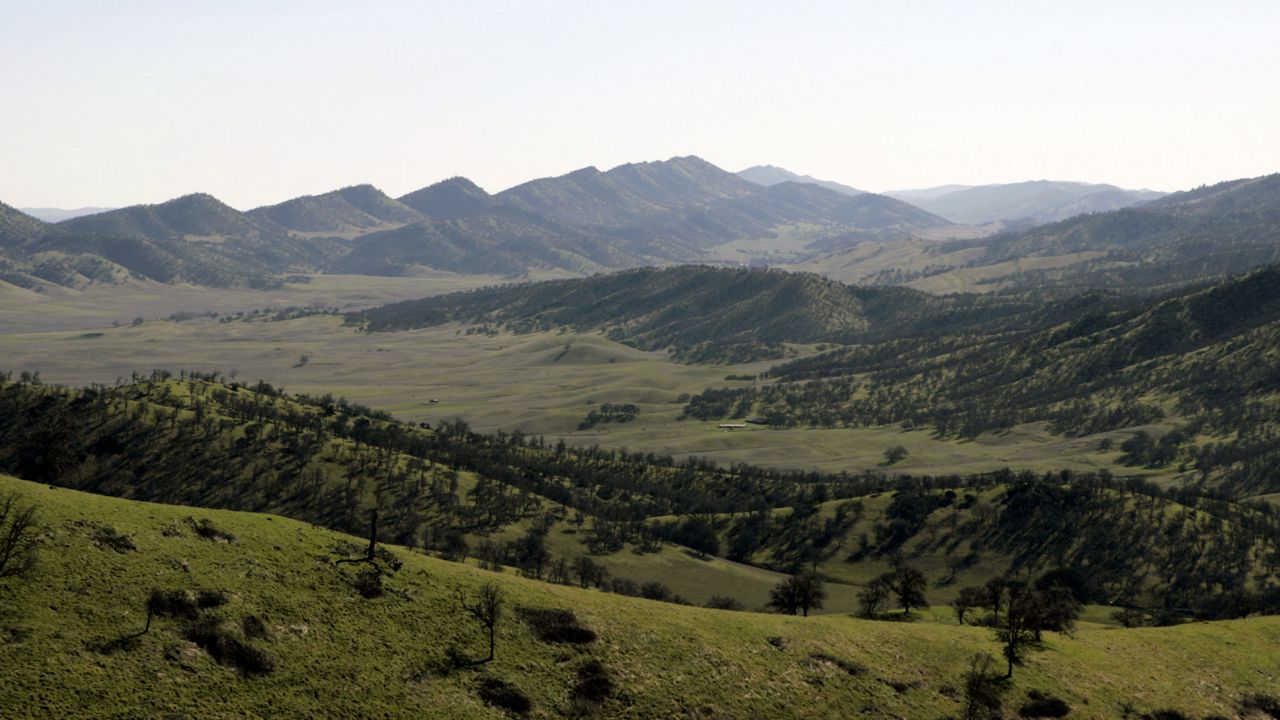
(133, 101)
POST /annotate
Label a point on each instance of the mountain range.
(682, 210)
(652, 213)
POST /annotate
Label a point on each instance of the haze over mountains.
(772, 175)
(50, 214)
(1036, 202)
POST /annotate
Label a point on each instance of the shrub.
(1260, 703)
(206, 530)
(1041, 705)
(724, 602)
(593, 686)
(107, 537)
(501, 694)
(227, 649)
(253, 627)
(173, 603)
(850, 667)
(207, 599)
(556, 626)
(368, 582)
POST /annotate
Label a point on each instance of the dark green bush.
(501, 694)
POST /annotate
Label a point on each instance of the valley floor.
(541, 383)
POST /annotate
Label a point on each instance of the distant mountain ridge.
(586, 221)
(354, 208)
(53, 215)
(772, 175)
(677, 211)
(1037, 201)
(195, 215)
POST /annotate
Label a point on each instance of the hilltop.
(348, 210)
(198, 215)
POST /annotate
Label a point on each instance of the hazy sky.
(113, 103)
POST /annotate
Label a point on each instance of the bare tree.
(18, 536)
(1018, 633)
(967, 599)
(486, 608)
(872, 597)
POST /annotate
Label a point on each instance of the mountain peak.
(450, 199)
(769, 175)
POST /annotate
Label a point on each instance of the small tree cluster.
(798, 594)
(903, 582)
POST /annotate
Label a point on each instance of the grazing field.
(542, 383)
(75, 648)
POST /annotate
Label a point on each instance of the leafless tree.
(18, 536)
(486, 608)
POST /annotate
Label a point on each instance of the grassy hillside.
(69, 652)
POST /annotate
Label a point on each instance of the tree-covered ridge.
(17, 227)
(198, 215)
(713, 313)
(226, 445)
(356, 208)
(500, 243)
(1207, 355)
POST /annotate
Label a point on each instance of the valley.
(541, 383)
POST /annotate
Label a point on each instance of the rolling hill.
(1202, 358)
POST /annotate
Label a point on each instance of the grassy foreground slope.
(339, 655)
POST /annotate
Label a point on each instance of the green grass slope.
(340, 655)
